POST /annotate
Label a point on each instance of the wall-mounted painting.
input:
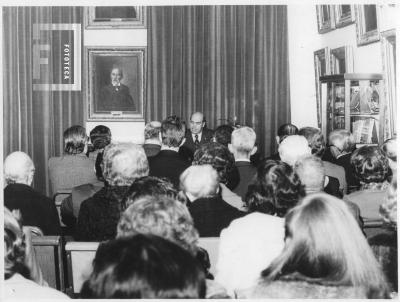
(342, 60)
(115, 82)
(344, 15)
(321, 68)
(97, 17)
(325, 18)
(367, 24)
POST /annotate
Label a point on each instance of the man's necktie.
(196, 140)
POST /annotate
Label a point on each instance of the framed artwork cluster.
(330, 17)
(115, 75)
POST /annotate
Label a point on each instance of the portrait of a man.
(115, 82)
(115, 96)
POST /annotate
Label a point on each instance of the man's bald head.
(18, 168)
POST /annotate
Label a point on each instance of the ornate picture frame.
(325, 18)
(115, 17)
(342, 60)
(115, 82)
(344, 15)
(321, 68)
(367, 24)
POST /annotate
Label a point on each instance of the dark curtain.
(34, 121)
(226, 61)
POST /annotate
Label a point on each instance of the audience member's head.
(315, 140)
(219, 157)
(370, 164)
(75, 140)
(144, 267)
(123, 163)
(293, 148)
(100, 137)
(341, 141)
(276, 189)
(149, 186)
(222, 134)
(152, 131)
(18, 168)
(284, 131)
(311, 172)
(389, 147)
(199, 182)
(388, 208)
(161, 216)
(14, 246)
(243, 142)
(172, 132)
(324, 243)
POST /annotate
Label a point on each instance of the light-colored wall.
(304, 39)
(123, 131)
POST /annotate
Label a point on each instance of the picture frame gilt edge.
(89, 24)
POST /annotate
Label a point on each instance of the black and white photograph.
(199, 150)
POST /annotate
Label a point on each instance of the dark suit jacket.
(151, 149)
(36, 209)
(246, 172)
(211, 215)
(169, 164)
(113, 99)
(332, 187)
(188, 148)
(351, 179)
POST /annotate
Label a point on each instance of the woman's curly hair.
(315, 140)
(161, 216)
(276, 189)
(14, 246)
(370, 164)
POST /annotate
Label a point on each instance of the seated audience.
(152, 142)
(219, 157)
(168, 163)
(209, 211)
(144, 267)
(371, 167)
(317, 144)
(100, 137)
(342, 145)
(283, 132)
(18, 283)
(99, 215)
(73, 168)
(325, 256)
(389, 147)
(250, 243)
(36, 209)
(222, 134)
(242, 147)
(293, 148)
(384, 243)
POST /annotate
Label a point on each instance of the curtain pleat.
(226, 61)
(34, 121)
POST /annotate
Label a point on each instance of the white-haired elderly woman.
(99, 215)
(210, 212)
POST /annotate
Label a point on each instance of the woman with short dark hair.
(371, 167)
(144, 267)
(325, 256)
(259, 236)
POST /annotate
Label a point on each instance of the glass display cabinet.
(353, 102)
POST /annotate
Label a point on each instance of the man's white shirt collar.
(198, 136)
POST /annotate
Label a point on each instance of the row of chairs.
(50, 252)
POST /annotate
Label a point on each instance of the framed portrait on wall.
(367, 24)
(325, 18)
(321, 68)
(115, 82)
(97, 17)
(344, 15)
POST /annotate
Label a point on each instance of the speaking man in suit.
(116, 96)
(196, 136)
